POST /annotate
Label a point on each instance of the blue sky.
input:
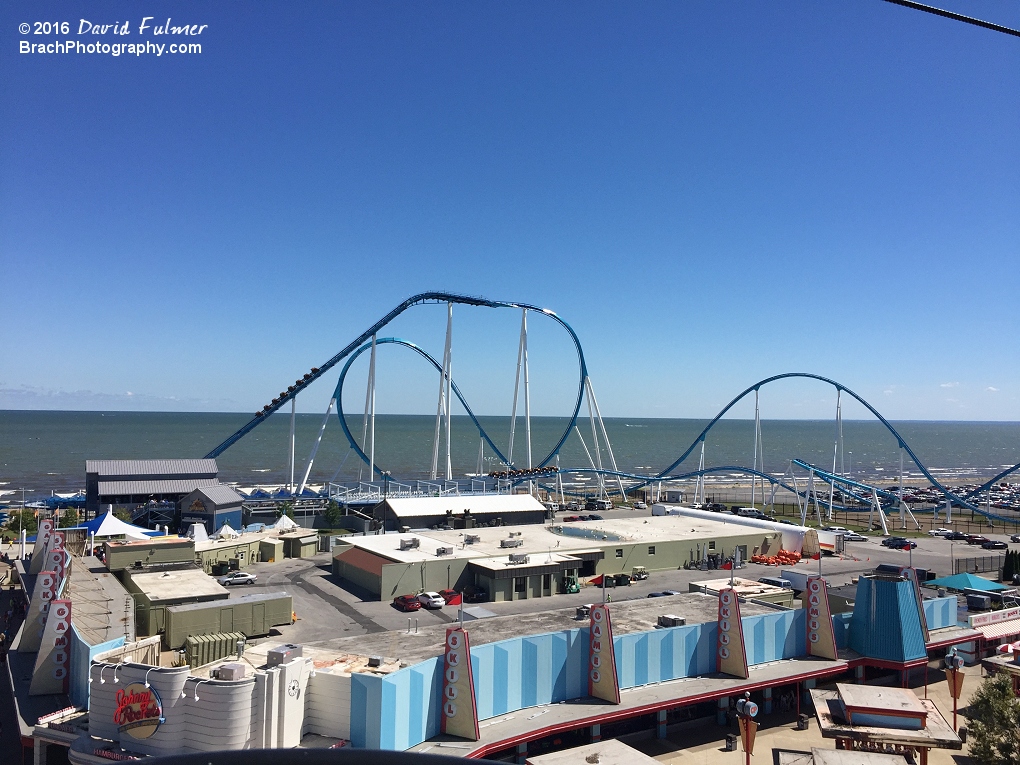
(709, 192)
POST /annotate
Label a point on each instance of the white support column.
(559, 480)
(595, 440)
(700, 490)
(293, 416)
(444, 402)
(605, 436)
(315, 449)
(754, 464)
(521, 353)
(371, 414)
(527, 393)
(481, 456)
(881, 513)
(449, 390)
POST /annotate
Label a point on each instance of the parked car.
(940, 532)
(237, 577)
(992, 544)
(853, 536)
(955, 536)
(431, 600)
(977, 539)
(595, 517)
(570, 518)
(893, 542)
(1014, 538)
(836, 528)
(640, 506)
(448, 595)
(407, 602)
(473, 594)
(584, 517)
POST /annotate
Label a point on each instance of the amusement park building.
(520, 562)
(129, 483)
(313, 696)
(459, 511)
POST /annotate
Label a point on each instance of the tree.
(285, 508)
(22, 519)
(68, 518)
(994, 714)
(332, 514)
(123, 514)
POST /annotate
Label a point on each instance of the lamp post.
(746, 711)
(850, 474)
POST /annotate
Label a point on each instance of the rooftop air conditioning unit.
(282, 654)
(518, 558)
(232, 671)
(470, 539)
(375, 661)
(669, 620)
(409, 544)
(444, 551)
(516, 533)
(511, 542)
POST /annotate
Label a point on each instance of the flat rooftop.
(178, 585)
(893, 701)
(745, 588)
(568, 538)
(628, 616)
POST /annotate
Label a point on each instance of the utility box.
(282, 654)
(669, 620)
(232, 671)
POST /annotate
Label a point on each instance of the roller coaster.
(534, 471)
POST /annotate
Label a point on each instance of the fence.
(982, 565)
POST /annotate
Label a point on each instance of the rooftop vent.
(511, 542)
(518, 558)
(470, 539)
(409, 544)
(444, 551)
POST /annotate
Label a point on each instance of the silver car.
(237, 577)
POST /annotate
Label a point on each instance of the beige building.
(519, 562)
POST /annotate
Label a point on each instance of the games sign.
(730, 642)
(139, 711)
(53, 662)
(602, 680)
(821, 640)
(460, 712)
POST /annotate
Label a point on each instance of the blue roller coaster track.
(362, 343)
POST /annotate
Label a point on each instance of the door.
(226, 620)
(258, 619)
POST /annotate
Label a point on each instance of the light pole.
(850, 474)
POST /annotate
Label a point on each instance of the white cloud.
(993, 390)
(950, 385)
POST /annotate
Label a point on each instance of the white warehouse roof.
(421, 507)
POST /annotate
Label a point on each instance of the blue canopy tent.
(963, 582)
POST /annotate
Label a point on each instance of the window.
(651, 549)
(546, 581)
(711, 545)
(619, 553)
(520, 584)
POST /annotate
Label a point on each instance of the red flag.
(727, 566)
(816, 556)
(456, 600)
(597, 581)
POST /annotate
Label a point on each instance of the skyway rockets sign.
(460, 712)
(730, 642)
(602, 680)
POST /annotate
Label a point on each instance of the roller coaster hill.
(826, 490)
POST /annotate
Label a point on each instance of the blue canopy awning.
(967, 582)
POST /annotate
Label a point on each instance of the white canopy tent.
(285, 524)
(108, 525)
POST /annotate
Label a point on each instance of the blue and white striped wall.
(940, 612)
(400, 710)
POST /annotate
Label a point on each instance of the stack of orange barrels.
(782, 558)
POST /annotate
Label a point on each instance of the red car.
(452, 597)
(571, 518)
(407, 602)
